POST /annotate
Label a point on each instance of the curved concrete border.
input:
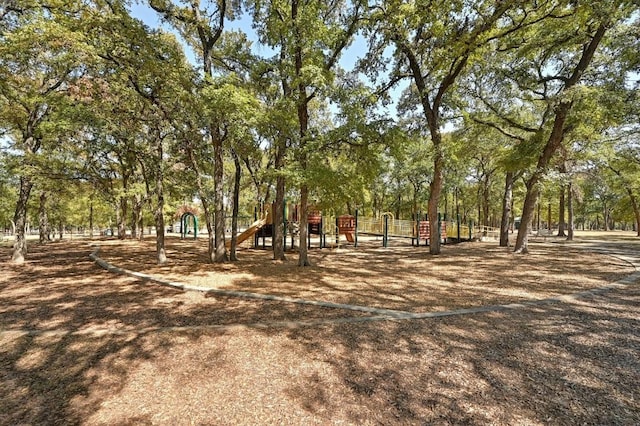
(379, 313)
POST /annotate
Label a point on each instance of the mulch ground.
(79, 345)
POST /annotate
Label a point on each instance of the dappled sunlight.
(400, 278)
(102, 348)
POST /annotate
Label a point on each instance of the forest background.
(481, 110)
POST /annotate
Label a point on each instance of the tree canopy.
(481, 110)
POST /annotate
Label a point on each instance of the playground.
(481, 336)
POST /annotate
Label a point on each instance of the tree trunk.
(211, 234)
(570, 208)
(303, 119)
(434, 194)
(134, 221)
(432, 114)
(205, 204)
(552, 145)
(303, 260)
(161, 254)
(20, 220)
(636, 211)
(561, 211)
(159, 213)
(208, 37)
(302, 102)
(506, 209)
(522, 238)
(279, 233)
(122, 229)
(634, 201)
(43, 219)
(485, 199)
(136, 216)
(220, 251)
(555, 138)
(91, 219)
(636, 208)
(236, 202)
(116, 209)
(141, 227)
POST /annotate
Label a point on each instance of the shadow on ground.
(81, 346)
(560, 364)
(402, 278)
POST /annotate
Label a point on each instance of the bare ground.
(79, 345)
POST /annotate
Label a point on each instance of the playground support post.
(385, 236)
(355, 233)
(416, 218)
(255, 236)
(426, 218)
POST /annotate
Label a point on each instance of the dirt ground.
(80, 345)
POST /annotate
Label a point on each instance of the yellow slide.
(249, 232)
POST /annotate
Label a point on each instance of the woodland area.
(487, 110)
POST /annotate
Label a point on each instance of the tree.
(235, 109)
(201, 26)
(42, 52)
(624, 163)
(148, 73)
(8, 185)
(545, 73)
(433, 47)
(593, 24)
(310, 36)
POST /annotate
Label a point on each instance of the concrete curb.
(381, 314)
(378, 314)
(243, 294)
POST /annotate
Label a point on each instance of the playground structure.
(266, 230)
(330, 230)
(184, 224)
(254, 228)
(386, 226)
